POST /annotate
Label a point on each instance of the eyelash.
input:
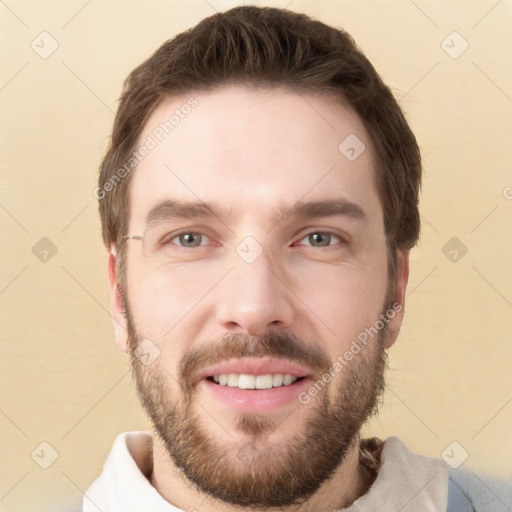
(316, 232)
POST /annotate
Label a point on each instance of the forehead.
(253, 151)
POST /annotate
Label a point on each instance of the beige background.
(62, 380)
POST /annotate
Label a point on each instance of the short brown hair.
(269, 47)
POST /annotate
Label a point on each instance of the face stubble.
(255, 473)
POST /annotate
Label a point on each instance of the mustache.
(279, 345)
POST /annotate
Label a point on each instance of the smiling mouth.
(248, 381)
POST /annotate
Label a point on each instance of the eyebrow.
(337, 207)
(186, 209)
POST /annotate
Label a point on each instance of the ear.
(117, 309)
(398, 306)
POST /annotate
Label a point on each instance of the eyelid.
(188, 231)
(343, 237)
(203, 231)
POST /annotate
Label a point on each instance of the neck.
(348, 483)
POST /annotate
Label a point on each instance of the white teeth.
(288, 379)
(277, 380)
(263, 381)
(246, 381)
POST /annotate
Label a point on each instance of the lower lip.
(256, 400)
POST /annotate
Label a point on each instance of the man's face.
(271, 288)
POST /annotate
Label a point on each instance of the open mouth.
(254, 385)
(248, 381)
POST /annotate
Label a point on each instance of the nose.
(255, 299)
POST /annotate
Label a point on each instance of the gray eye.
(319, 239)
(190, 239)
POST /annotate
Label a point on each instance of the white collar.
(122, 487)
(405, 481)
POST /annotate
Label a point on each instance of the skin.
(253, 151)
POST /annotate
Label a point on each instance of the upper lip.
(254, 366)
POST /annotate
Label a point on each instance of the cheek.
(346, 299)
(161, 298)
(169, 309)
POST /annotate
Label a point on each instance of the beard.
(257, 472)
